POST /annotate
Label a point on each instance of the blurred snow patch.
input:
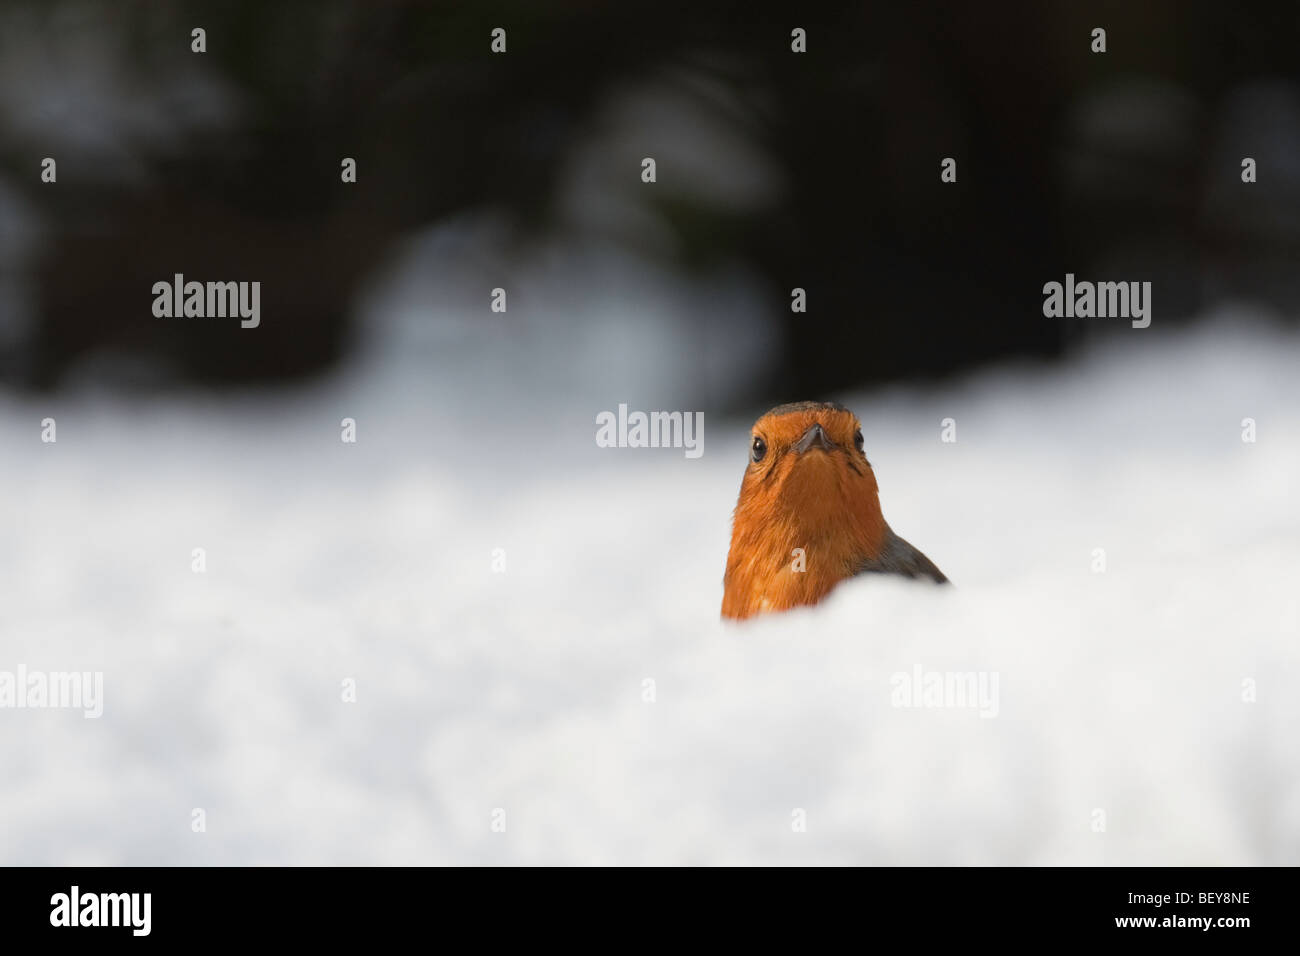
(1121, 692)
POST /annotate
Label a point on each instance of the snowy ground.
(1119, 692)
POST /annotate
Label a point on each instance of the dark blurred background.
(226, 165)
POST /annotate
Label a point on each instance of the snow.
(1119, 692)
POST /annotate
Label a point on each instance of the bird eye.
(758, 450)
(857, 439)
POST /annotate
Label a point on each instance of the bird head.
(808, 487)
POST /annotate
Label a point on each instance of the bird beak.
(813, 438)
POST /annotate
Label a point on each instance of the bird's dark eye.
(758, 449)
(857, 439)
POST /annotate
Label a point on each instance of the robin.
(809, 514)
